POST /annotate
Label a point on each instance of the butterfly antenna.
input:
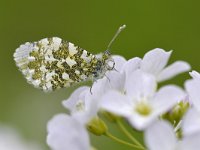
(121, 28)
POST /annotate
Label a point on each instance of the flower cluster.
(169, 116)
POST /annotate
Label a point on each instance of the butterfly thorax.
(104, 64)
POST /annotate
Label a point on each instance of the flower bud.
(177, 112)
(97, 126)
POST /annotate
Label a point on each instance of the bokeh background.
(171, 24)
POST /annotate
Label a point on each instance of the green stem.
(120, 141)
(126, 132)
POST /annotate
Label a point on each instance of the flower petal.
(167, 97)
(160, 135)
(173, 70)
(155, 60)
(131, 65)
(76, 96)
(192, 87)
(116, 103)
(116, 81)
(91, 111)
(194, 74)
(191, 122)
(64, 132)
(140, 85)
(99, 87)
(141, 122)
(191, 142)
(119, 61)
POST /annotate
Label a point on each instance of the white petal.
(194, 74)
(155, 60)
(76, 96)
(140, 85)
(160, 136)
(141, 122)
(100, 87)
(64, 133)
(173, 70)
(192, 87)
(191, 122)
(119, 62)
(131, 65)
(91, 111)
(191, 142)
(116, 81)
(167, 97)
(116, 103)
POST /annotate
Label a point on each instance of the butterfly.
(53, 63)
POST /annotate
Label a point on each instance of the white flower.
(160, 135)
(66, 133)
(82, 104)
(141, 104)
(11, 140)
(155, 62)
(191, 121)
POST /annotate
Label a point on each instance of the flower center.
(143, 108)
(80, 106)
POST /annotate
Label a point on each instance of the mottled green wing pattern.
(53, 63)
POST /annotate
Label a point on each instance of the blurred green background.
(168, 24)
